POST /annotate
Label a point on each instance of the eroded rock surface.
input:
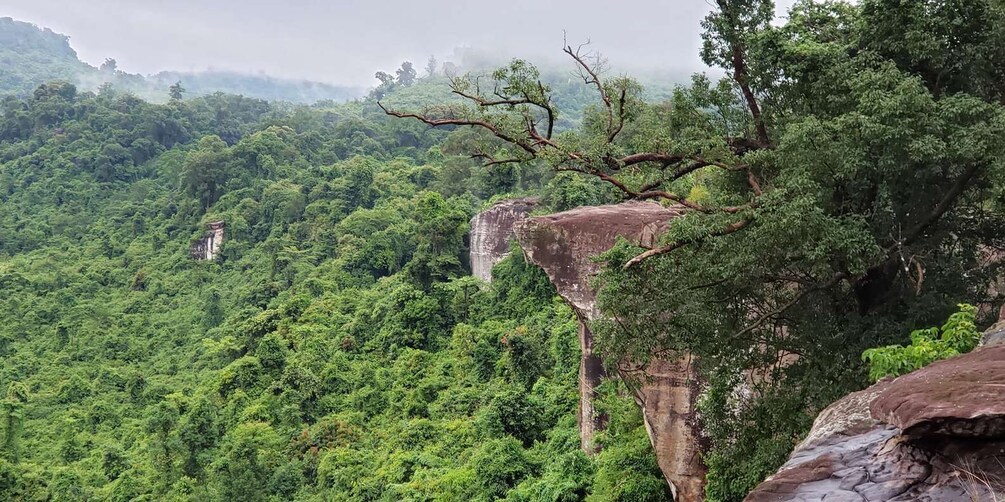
(207, 247)
(932, 435)
(564, 245)
(491, 231)
(995, 334)
(963, 397)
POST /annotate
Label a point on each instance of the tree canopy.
(843, 183)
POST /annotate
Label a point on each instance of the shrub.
(957, 336)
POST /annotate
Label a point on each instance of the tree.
(406, 74)
(206, 170)
(847, 191)
(109, 65)
(386, 84)
(386, 79)
(176, 91)
(12, 408)
(431, 66)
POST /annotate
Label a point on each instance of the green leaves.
(957, 336)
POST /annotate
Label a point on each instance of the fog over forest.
(344, 42)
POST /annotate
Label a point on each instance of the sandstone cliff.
(207, 247)
(564, 245)
(491, 231)
(937, 434)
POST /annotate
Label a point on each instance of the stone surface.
(932, 435)
(491, 231)
(565, 245)
(994, 335)
(207, 247)
(962, 396)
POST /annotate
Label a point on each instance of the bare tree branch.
(731, 228)
(462, 122)
(786, 306)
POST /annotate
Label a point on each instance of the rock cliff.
(491, 231)
(207, 247)
(564, 245)
(937, 434)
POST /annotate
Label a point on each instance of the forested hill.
(30, 56)
(336, 349)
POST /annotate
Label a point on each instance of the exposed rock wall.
(564, 245)
(937, 434)
(207, 247)
(491, 231)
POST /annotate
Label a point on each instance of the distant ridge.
(31, 56)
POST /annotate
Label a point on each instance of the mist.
(345, 42)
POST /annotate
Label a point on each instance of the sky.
(346, 41)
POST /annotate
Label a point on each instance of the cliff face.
(208, 246)
(937, 434)
(564, 245)
(491, 231)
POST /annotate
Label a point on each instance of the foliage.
(839, 186)
(337, 349)
(35, 56)
(958, 335)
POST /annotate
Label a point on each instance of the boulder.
(491, 231)
(932, 435)
(962, 396)
(994, 335)
(565, 245)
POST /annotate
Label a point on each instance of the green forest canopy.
(336, 349)
(844, 181)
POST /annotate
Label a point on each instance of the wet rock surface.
(565, 245)
(932, 435)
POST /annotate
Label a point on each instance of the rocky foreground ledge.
(937, 434)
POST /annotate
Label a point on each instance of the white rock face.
(208, 247)
(491, 231)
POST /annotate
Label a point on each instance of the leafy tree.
(12, 408)
(176, 91)
(431, 66)
(405, 75)
(247, 460)
(957, 336)
(385, 78)
(442, 225)
(206, 170)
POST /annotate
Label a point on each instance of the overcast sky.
(346, 41)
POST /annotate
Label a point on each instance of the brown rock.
(994, 335)
(565, 245)
(962, 396)
(942, 442)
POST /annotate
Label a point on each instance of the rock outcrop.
(207, 247)
(491, 231)
(937, 434)
(565, 245)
